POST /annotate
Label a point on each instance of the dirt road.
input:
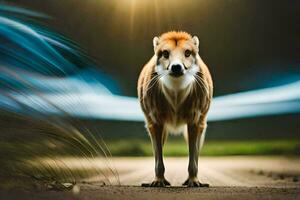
(278, 172)
(132, 193)
(229, 178)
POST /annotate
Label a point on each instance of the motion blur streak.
(37, 66)
(36, 72)
(271, 101)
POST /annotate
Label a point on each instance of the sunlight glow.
(43, 81)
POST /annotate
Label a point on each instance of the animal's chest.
(177, 108)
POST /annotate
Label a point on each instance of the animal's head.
(176, 58)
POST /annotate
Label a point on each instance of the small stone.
(103, 183)
(49, 186)
(281, 176)
(261, 172)
(270, 174)
(295, 179)
(67, 185)
(76, 189)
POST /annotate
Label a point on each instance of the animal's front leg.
(194, 135)
(157, 137)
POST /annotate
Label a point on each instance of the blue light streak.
(35, 78)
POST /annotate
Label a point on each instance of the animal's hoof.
(157, 183)
(194, 182)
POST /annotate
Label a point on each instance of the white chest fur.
(175, 98)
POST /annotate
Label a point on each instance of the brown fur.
(153, 100)
(162, 106)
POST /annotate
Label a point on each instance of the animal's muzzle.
(177, 70)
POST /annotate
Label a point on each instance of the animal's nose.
(176, 70)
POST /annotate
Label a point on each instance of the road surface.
(263, 177)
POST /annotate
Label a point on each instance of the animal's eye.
(165, 54)
(187, 53)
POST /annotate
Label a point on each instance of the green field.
(142, 147)
(176, 147)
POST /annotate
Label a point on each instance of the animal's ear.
(196, 41)
(155, 42)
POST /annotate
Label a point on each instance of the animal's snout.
(176, 70)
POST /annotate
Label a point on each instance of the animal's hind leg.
(194, 139)
(158, 136)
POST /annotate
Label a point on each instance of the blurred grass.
(176, 147)
(142, 147)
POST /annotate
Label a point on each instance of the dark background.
(248, 44)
